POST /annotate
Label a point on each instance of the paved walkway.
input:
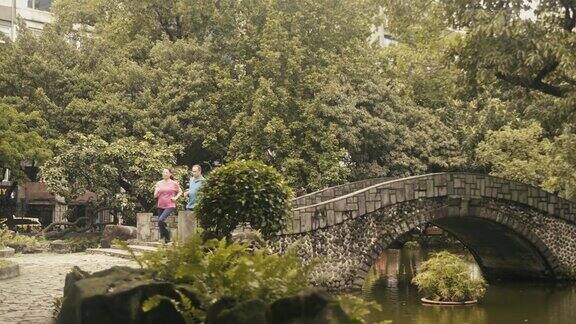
(29, 298)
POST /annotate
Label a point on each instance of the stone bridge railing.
(463, 185)
(333, 192)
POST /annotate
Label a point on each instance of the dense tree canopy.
(296, 85)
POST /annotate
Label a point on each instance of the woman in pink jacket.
(167, 191)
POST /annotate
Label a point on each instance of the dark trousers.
(163, 213)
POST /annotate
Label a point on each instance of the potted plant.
(445, 279)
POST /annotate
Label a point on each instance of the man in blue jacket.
(196, 182)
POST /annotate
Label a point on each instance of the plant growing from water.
(446, 277)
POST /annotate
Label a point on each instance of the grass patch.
(22, 243)
(6, 263)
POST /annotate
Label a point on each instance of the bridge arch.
(513, 230)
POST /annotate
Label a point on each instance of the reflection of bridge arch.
(514, 230)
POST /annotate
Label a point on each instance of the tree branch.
(165, 25)
(537, 84)
(534, 84)
(547, 69)
(569, 15)
(127, 186)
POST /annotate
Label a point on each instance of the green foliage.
(183, 306)
(293, 84)
(446, 277)
(290, 83)
(22, 243)
(358, 309)
(19, 138)
(121, 173)
(5, 263)
(412, 245)
(523, 154)
(56, 306)
(216, 269)
(244, 192)
(541, 59)
(79, 243)
(516, 154)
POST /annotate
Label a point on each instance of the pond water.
(535, 302)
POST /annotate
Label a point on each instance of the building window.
(43, 5)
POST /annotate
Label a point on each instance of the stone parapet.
(181, 225)
(333, 192)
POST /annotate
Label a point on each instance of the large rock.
(245, 234)
(60, 246)
(116, 295)
(253, 311)
(117, 232)
(313, 306)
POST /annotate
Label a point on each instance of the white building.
(35, 13)
(379, 34)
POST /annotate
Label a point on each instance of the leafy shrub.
(446, 277)
(217, 269)
(244, 192)
(22, 243)
(358, 309)
(80, 243)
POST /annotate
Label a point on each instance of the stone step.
(145, 243)
(139, 248)
(113, 252)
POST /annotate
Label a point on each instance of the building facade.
(35, 14)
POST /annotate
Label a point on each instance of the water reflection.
(389, 285)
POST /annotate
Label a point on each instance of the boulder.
(117, 232)
(312, 306)
(60, 246)
(244, 233)
(116, 295)
(253, 311)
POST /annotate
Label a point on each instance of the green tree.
(522, 51)
(524, 154)
(19, 139)
(244, 192)
(517, 154)
(294, 84)
(121, 173)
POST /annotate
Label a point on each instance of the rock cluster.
(116, 295)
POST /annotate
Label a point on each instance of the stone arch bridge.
(514, 231)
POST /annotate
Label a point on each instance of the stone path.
(29, 298)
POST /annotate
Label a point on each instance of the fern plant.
(215, 269)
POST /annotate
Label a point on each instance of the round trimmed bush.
(446, 277)
(244, 192)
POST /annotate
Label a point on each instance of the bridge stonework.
(512, 229)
